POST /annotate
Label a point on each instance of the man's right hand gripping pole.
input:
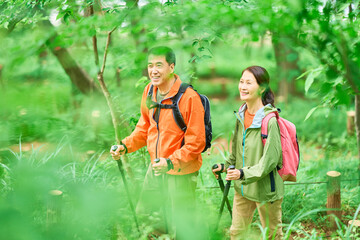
(116, 151)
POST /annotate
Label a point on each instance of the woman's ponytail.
(268, 97)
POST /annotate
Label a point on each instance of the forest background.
(71, 78)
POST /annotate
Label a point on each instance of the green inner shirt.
(159, 98)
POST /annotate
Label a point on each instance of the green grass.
(304, 205)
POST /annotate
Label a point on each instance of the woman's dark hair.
(262, 78)
(167, 52)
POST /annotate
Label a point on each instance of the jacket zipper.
(243, 144)
(157, 127)
(243, 157)
(157, 141)
(271, 175)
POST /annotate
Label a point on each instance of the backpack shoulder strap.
(149, 102)
(176, 111)
(181, 91)
(264, 125)
(150, 92)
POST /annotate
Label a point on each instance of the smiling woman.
(257, 182)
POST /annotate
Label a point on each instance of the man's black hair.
(167, 52)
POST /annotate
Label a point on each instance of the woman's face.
(248, 87)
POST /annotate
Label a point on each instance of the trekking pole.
(222, 187)
(226, 192)
(162, 192)
(114, 147)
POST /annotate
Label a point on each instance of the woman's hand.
(218, 168)
(233, 174)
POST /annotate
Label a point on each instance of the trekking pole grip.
(232, 167)
(119, 163)
(156, 160)
(215, 166)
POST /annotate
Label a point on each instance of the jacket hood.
(259, 115)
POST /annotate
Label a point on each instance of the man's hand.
(116, 151)
(218, 168)
(160, 166)
(233, 174)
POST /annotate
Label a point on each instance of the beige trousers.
(243, 212)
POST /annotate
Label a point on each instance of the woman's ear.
(262, 90)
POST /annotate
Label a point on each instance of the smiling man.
(175, 154)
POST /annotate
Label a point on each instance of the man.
(175, 154)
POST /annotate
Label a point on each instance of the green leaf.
(310, 112)
(338, 81)
(196, 41)
(206, 57)
(303, 74)
(309, 81)
(142, 81)
(193, 59)
(310, 78)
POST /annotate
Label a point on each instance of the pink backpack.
(289, 145)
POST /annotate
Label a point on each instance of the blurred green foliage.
(213, 41)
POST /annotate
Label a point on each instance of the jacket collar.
(259, 115)
(173, 90)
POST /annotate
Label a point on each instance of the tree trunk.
(116, 124)
(286, 68)
(2, 84)
(118, 76)
(77, 75)
(109, 100)
(357, 127)
(140, 44)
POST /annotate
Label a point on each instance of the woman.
(256, 180)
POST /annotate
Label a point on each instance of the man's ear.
(172, 67)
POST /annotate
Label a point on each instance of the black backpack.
(177, 114)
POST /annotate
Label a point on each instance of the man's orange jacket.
(164, 139)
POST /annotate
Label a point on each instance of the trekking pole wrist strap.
(169, 164)
(241, 174)
(222, 167)
(121, 143)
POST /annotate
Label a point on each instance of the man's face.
(159, 70)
